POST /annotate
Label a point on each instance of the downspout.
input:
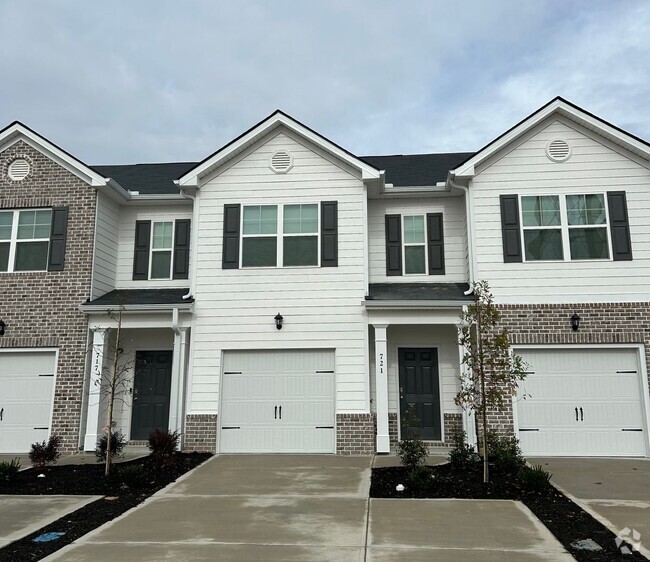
(193, 241)
(468, 220)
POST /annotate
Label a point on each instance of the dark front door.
(419, 388)
(151, 389)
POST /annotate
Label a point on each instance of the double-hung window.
(280, 234)
(415, 254)
(162, 242)
(25, 239)
(542, 227)
(587, 225)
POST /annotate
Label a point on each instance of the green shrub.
(534, 479)
(46, 452)
(420, 477)
(163, 445)
(462, 453)
(505, 453)
(118, 442)
(411, 450)
(134, 476)
(9, 469)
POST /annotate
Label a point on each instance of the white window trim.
(13, 241)
(564, 227)
(279, 236)
(152, 250)
(413, 244)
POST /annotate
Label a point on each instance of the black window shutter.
(329, 253)
(58, 232)
(435, 244)
(510, 229)
(181, 249)
(141, 250)
(393, 244)
(230, 252)
(619, 226)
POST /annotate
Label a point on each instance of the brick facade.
(40, 308)
(200, 433)
(355, 434)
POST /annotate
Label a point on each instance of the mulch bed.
(89, 479)
(566, 520)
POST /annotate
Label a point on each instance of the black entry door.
(418, 386)
(151, 389)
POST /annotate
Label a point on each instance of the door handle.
(2, 411)
(280, 412)
(576, 414)
(276, 413)
(401, 393)
(582, 418)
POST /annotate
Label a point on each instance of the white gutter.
(91, 308)
(194, 238)
(175, 327)
(469, 219)
(412, 304)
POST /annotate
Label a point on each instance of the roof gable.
(566, 109)
(263, 128)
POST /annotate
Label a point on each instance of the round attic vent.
(558, 150)
(18, 169)
(281, 162)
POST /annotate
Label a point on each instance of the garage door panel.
(578, 401)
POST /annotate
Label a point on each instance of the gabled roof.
(276, 119)
(148, 179)
(17, 131)
(562, 107)
(415, 170)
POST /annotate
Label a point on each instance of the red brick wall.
(40, 309)
(200, 433)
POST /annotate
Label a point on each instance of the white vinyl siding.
(157, 213)
(106, 236)
(455, 237)
(594, 167)
(235, 308)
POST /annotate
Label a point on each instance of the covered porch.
(151, 355)
(415, 360)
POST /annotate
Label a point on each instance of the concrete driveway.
(302, 508)
(615, 491)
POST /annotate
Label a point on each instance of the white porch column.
(178, 380)
(381, 380)
(95, 387)
(469, 422)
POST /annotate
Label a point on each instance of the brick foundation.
(40, 308)
(200, 433)
(355, 434)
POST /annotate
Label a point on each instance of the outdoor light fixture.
(575, 322)
(278, 321)
(2, 328)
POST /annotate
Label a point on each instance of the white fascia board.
(468, 169)
(411, 305)
(191, 179)
(18, 132)
(93, 308)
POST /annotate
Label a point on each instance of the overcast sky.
(118, 82)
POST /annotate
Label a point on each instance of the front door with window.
(151, 390)
(419, 388)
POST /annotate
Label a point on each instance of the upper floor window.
(285, 234)
(25, 239)
(592, 226)
(415, 256)
(161, 250)
(415, 244)
(162, 241)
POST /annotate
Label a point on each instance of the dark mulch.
(89, 480)
(566, 520)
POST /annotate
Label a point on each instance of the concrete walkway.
(614, 491)
(302, 508)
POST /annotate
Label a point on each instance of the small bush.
(411, 450)
(118, 441)
(46, 452)
(505, 453)
(9, 469)
(133, 476)
(534, 479)
(420, 478)
(462, 454)
(163, 445)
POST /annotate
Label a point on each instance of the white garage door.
(582, 402)
(278, 402)
(26, 392)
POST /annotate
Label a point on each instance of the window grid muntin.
(161, 250)
(422, 244)
(14, 241)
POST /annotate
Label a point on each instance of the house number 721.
(381, 362)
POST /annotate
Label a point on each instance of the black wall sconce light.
(278, 321)
(2, 328)
(575, 322)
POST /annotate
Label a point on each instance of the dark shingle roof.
(419, 292)
(148, 179)
(127, 297)
(417, 169)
